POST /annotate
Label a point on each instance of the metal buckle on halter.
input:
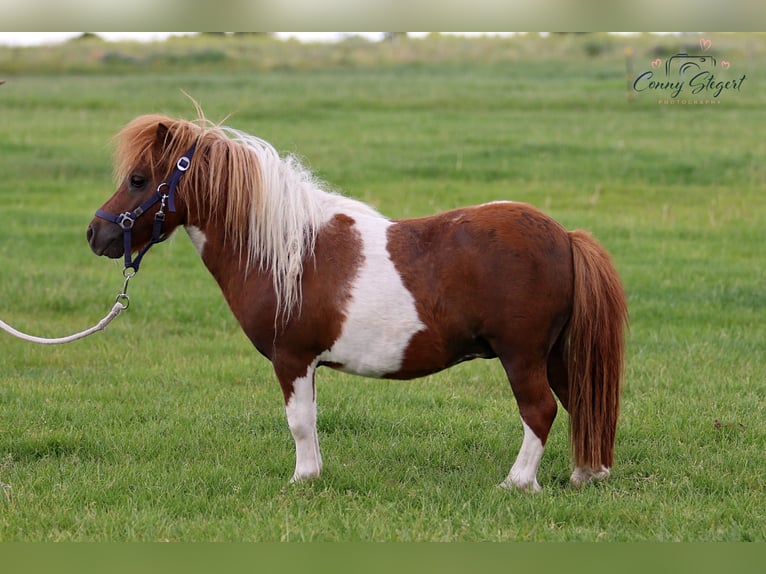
(183, 163)
(126, 220)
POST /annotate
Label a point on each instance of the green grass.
(169, 426)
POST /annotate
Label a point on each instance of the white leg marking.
(381, 317)
(197, 237)
(523, 473)
(301, 412)
(583, 475)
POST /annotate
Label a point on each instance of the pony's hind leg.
(301, 410)
(584, 474)
(558, 379)
(537, 408)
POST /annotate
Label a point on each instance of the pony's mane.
(270, 207)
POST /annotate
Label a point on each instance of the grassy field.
(169, 426)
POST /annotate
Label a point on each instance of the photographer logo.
(690, 78)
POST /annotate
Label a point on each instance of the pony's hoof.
(583, 475)
(304, 477)
(508, 484)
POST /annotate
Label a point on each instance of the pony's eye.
(137, 181)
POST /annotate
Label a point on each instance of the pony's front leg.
(301, 409)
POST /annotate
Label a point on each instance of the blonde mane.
(270, 207)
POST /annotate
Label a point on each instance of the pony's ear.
(162, 138)
(162, 132)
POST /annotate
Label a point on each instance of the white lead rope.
(118, 308)
(121, 302)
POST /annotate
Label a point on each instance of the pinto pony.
(318, 279)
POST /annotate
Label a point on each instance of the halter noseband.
(166, 198)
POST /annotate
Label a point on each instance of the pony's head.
(266, 209)
(147, 151)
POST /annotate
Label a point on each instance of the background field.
(169, 426)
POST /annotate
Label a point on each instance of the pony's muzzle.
(105, 238)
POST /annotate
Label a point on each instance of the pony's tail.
(595, 352)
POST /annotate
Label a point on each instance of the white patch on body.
(197, 237)
(523, 473)
(381, 317)
(301, 413)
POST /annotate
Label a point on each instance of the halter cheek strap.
(165, 196)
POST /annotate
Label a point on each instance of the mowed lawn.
(170, 426)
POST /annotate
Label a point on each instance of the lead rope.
(121, 302)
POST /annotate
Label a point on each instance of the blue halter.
(165, 195)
